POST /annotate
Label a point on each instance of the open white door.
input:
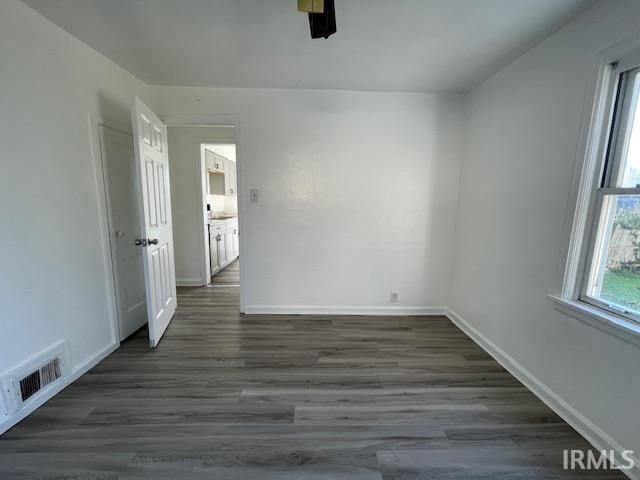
(152, 160)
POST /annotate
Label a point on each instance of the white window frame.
(589, 192)
(609, 173)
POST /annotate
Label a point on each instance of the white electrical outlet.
(394, 297)
(254, 195)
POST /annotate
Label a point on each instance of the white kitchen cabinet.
(212, 161)
(228, 245)
(225, 172)
(224, 243)
(208, 159)
(229, 185)
(233, 179)
(213, 251)
(236, 243)
(218, 163)
(222, 250)
(230, 177)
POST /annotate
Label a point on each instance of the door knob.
(141, 242)
(153, 241)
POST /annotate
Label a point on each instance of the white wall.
(52, 274)
(514, 209)
(186, 197)
(358, 198)
(358, 193)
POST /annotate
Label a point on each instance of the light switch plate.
(254, 195)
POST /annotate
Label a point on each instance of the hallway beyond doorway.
(230, 276)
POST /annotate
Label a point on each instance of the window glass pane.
(630, 164)
(615, 273)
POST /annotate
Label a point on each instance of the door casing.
(219, 121)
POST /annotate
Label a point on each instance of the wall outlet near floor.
(393, 298)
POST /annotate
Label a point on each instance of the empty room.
(320, 239)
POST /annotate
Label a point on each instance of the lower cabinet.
(224, 244)
(236, 243)
(213, 253)
(228, 245)
(222, 251)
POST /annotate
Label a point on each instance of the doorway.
(221, 221)
(207, 210)
(123, 216)
(186, 170)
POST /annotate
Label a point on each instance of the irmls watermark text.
(597, 460)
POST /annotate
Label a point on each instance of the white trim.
(590, 152)
(224, 120)
(341, 310)
(599, 318)
(584, 203)
(189, 282)
(95, 120)
(48, 393)
(589, 156)
(583, 425)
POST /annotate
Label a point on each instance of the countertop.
(222, 219)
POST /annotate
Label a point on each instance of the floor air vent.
(35, 381)
(25, 381)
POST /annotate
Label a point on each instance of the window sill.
(614, 325)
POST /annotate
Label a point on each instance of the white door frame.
(219, 121)
(202, 179)
(104, 214)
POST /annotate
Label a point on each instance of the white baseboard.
(189, 282)
(47, 393)
(583, 425)
(341, 310)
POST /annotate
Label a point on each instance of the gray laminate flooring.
(228, 397)
(229, 276)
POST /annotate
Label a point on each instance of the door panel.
(118, 160)
(236, 243)
(150, 136)
(213, 251)
(233, 180)
(222, 251)
(228, 245)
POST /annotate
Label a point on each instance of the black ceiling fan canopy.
(323, 25)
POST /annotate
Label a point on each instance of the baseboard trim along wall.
(47, 394)
(589, 430)
(189, 282)
(342, 310)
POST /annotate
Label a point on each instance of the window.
(611, 278)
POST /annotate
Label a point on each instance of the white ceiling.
(382, 45)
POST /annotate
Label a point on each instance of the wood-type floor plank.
(228, 396)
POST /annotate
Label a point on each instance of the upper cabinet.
(230, 177)
(209, 160)
(213, 161)
(233, 179)
(222, 174)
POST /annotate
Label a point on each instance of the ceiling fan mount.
(322, 17)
